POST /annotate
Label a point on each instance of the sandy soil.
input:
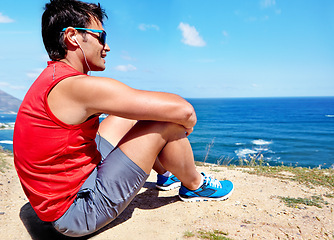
(254, 211)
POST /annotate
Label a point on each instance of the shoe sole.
(169, 187)
(201, 199)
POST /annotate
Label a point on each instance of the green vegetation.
(211, 235)
(189, 234)
(317, 201)
(253, 160)
(310, 177)
(3, 164)
(329, 195)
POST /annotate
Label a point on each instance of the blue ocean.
(291, 131)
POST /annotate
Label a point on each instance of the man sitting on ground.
(79, 174)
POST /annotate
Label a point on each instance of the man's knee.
(114, 128)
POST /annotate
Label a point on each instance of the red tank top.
(52, 159)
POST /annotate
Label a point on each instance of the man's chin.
(99, 68)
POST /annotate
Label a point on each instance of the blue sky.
(213, 48)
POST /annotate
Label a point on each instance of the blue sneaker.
(167, 183)
(211, 190)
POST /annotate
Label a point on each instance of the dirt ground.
(254, 211)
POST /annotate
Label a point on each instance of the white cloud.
(18, 87)
(144, 27)
(125, 68)
(128, 58)
(125, 55)
(267, 3)
(10, 86)
(190, 35)
(4, 84)
(33, 74)
(5, 19)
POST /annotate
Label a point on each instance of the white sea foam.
(238, 144)
(261, 142)
(103, 116)
(261, 149)
(330, 116)
(6, 142)
(244, 152)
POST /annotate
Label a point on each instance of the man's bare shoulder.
(85, 86)
(86, 79)
(76, 98)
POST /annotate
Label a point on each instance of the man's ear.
(70, 37)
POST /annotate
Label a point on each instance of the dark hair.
(60, 14)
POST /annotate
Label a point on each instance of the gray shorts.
(104, 195)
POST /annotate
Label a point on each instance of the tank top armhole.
(55, 81)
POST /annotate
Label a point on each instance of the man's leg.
(144, 141)
(113, 129)
(121, 174)
(158, 167)
(148, 140)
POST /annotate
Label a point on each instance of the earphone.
(75, 39)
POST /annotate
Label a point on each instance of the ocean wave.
(261, 149)
(261, 142)
(244, 152)
(103, 116)
(6, 142)
(330, 116)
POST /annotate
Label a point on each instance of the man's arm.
(75, 99)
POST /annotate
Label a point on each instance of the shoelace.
(212, 182)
